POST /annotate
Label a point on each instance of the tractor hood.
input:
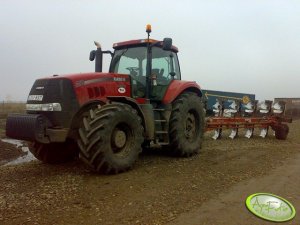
(79, 79)
(83, 87)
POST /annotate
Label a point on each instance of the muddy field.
(160, 189)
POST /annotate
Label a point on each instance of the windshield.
(129, 61)
(132, 61)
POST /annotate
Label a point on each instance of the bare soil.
(229, 207)
(160, 189)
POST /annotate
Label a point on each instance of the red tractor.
(110, 116)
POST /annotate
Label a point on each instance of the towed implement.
(107, 118)
(249, 114)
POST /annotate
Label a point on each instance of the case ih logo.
(121, 90)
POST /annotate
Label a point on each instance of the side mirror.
(167, 44)
(172, 74)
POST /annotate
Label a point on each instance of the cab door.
(165, 68)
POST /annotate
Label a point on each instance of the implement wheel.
(54, 153)
(111, 138)
(281, 131)
(186, 124)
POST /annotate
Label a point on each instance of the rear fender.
(177, 87)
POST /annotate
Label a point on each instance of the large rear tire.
(54, 153)
(111, 138)
(186, 124)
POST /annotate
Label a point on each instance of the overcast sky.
(241, 46)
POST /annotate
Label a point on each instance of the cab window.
(165, 65)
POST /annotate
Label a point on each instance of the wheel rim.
(121, 140)
(191, 126)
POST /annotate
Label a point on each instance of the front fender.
(177, 87)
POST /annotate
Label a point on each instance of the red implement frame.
(244, 122)
(275, 122)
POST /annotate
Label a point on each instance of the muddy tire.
(186, 125)
(54, 153)
(281, 131)
(111, 138)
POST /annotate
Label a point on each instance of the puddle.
(22, 159)
(18, 143)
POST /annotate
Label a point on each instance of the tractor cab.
(132, 58)
(152, 65)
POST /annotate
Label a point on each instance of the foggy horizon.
(237, 46)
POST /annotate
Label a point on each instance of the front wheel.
(111, 138)
(186, 124)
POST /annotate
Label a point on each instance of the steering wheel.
(133, 70)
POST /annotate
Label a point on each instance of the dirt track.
(228, 208)
(159, 190)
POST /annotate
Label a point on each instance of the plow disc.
(234, 115)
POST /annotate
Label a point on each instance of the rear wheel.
(111, 138)
(54, 153)
(187, 124)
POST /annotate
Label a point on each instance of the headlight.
(44, 107)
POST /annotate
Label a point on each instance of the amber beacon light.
(148, 28)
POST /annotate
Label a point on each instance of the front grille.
(59, 90)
